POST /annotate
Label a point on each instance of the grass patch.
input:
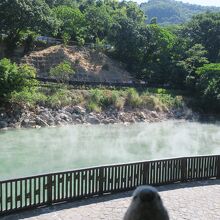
(28, 97)
(97, 100)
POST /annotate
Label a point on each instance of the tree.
(55, 3)
(204, 29)
(208, 85)
(195, 58)
(62, 71)
(24, 15)
(159, 59)
(99, 22)
(72, 22)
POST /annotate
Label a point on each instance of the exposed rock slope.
(89, 65)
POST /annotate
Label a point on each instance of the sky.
(198, 2)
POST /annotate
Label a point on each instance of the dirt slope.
(89, 65)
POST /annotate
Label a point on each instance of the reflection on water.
(28, 152)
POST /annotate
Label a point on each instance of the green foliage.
(27, 38)
(61, 97)
(170, 101)
(62, 71)
(55, 3)
(118, 100)
(15, 78)
(149, 101)
(99, 100)
(66, 38)
(161, 55)
(133, 98)
(204, 29)
(72, 22)
(93, 107)
(17, 16)
(195, 57)
(99, 22)
(28, 96)
(161, 100)
(100, 45)
(173, 12)
(208, 85)
(102, 98)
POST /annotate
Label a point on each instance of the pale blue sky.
(198, 2)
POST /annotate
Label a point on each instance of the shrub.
(149, 101)
(118, 100)
(66, 38)
(62, 71)
(80, 40)
(170, 101)
(101, 98)
(133, 98)
(28, 96)
(63, 97)
(15, 78)
(93, 107)
(208, 83)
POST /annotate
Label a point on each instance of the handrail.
(107, 165)
(48, 189)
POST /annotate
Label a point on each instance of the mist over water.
(31, 151)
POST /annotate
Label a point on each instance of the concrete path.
(191, 201)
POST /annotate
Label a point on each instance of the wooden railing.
(43, 190)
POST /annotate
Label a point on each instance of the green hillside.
(173, 12)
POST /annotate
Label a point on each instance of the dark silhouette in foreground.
(146, 205)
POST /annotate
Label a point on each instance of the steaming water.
(30, 152)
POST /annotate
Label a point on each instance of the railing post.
(218, 168)
(49, 190)
(101, 176)
(145, 173)
(183, 169)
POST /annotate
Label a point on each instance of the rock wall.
(45, 117)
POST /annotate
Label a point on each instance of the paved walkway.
(192, 201)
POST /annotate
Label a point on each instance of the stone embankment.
(45, 117)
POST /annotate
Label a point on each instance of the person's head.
(147, 196)
(146, 205)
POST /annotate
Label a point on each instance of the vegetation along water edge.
(107, 41)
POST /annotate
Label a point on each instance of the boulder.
(69, 109)
(78, 110)
(141, 115)
(46, 115)
(93, 120)
(65, 117)
(108, 121)
(51, 122)
(78, 121)
(27, 123)
(41, 122)
(154, 114)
